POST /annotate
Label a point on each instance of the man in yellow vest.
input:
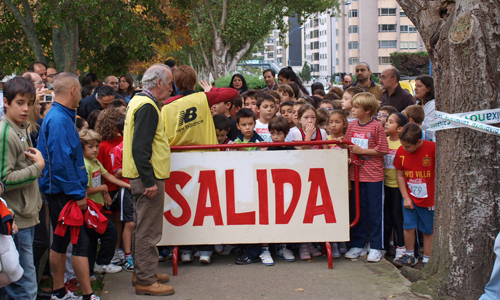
(146, 162)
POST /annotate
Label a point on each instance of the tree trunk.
(462, 37)
(65, 45)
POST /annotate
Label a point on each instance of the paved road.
(224, 280)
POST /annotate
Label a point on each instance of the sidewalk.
(225, 280)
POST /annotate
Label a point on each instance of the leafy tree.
(253, 81)
(411, 63)
(463, 47)
(226, 30)
(305, 73)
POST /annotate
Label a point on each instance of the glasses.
(382, 115)
(328, 108)
(385, 77)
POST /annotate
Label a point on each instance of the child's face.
(382, 116)
(346, 101)
(296, 114)
(410, 148)
(327, 106)
(359, 112)
(221, 135)
(278, 104)
(277, 136)
(287, 112)
(220, 108)
(267, 110)
(284, 96)
(392, 126)
(336, 124)
(309, 117)
(322, 125)
(91, 150)
(246, 126)
(251, 103)
(18, 109)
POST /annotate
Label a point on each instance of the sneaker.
(206, 257)
(304, 252)
(118, 257)
(72, 285)
(375, 255)
(285, 253)
(400, 252)
(342, 248)
(69, 296)
(354, 252)
(313, 250)
(129, 264)
(94, 297)
(186, 257)
(110, 269)
(366, 249)
(227, 249)
(405, 260)
(335, 250)
(218, 248)
(164, 254)
(245, 260)
(266, 258)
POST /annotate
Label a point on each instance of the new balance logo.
(187, 116)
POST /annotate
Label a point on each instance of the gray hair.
(152, 75)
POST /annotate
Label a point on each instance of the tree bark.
(462, 40)
(65, 45)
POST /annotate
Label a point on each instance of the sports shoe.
(313, 250)
(304, 252)
(335, 250)
(375, 255)
(110, 269)
(197, 254)
(186, 257)
(245, 260)
(69, 296)
(400, 251)
(118, 257)
(129, 264)
(342, 248)
(354, 252)
(72, 285)
(156, 289)
(285, 253)
(164, 254)
(366, 249)
(94, 297)
(206, 257)
(405, 260)
(266, 258)
(218, 248)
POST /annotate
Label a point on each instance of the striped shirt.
(368, 136)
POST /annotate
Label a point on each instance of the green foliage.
(305, 73)
(411, 64)
(253, 81)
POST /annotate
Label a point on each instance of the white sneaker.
(227, 249)
(354, 252)
(94, 297)
(375, 255)
(266, 258)
(285, 253)
(186, 257)
(400, 252)
(69, 296)
(118, 257)
(218, 248)
(335, 250)
(366, 249)
(110, 269)
(205, 257)
(342, 248)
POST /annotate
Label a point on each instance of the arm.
(115, 180)
(146, 121)
(98, 189)
(309, 131)
(217, 95)
(408, 203)
(118, 174)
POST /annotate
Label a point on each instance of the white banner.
(468, 123)
(233, 197)
(490, 116)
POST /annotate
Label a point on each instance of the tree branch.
(224, 14)
(211, 16)
(243, 50)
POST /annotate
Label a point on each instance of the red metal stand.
(175, 259)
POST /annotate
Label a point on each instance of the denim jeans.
(26, 287)
(492, 289)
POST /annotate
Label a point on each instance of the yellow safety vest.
(188, 121)
(160, 158)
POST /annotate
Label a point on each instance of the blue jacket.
(60, 145)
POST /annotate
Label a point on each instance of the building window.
(314, 34)
(407, 29)
(387, 28)
(353, 45)
(314, 45)
(402, 13)
(353, 29)
(353, 61)
(337, 47)
(387, 44)
(353, 13)
(337, 62)
(315, 23)
(315, 56)
(386, 11)
(408, 45)
(384, 60)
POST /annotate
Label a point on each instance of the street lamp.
(289, 34)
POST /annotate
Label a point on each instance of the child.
(393, 213)
(277, 98)
(337, 123)
(266, 106)
(237, 105)
(245, 119)
(21, 166)
(224, 108)
(250, 101)
(279, 128)
(370, 143)
(323, 116)
(286, 111)
(347, 101)
(285, 91)
(221, 124)
(384, 112)
(415, 163)
(308, 128)
(98, 192)
(319, 93)
(326, 104)
(415, 114)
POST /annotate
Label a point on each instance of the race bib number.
(418, 190)
(96, 178)
(362, 143)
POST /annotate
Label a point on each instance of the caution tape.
(463, 122)
(491, 116)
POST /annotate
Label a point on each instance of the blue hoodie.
(60, 145)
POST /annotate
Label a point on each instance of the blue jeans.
(492, 289)
(26, 287)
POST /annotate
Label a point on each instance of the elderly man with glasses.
(394, 94)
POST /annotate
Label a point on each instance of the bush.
(253, 81)
(411, 64)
